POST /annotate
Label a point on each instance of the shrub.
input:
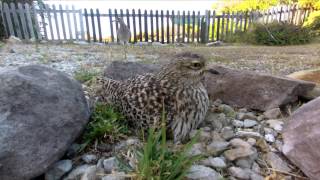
(157, 161)
(106, 123)
(277, 33)
(313, 23)
(84, 75)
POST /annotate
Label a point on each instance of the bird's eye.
(196, 65)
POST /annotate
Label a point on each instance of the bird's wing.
(108, 89)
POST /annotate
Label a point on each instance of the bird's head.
(118, 19)
(187, 66)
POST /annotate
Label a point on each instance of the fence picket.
(173, 25)
(178, 29)
(29, 21)
(23, 21)
(81, 26)
(162, 28)
(69, 23)
(87, 24)
(134, 25)
(188, 27)
(222, 25)
(16, 20)
(99, 25)
(111, 25)
(245, 21)
(213, 25)
(3, 20)
(93, 26)
(36, 23)
(168, 27)
(157, 25)
(193, 24)
(145, 26)
(218, 28)
(62, 22)
(227, 25)
(183, 25)
(128, 22)
(208, 14)
(140, 24)
(151, 23)
(198, 30)
(47, 9)
(232, 24)
(75, 23)
(8, 19)
(117, 23)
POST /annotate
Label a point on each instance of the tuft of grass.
(157, 162)
(106, 123)
(85, 75)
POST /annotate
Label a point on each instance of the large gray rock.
(301, 137)
(119, 70)
(236, 88)
(42, 111)
(253, 90)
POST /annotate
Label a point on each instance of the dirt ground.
(273, 60)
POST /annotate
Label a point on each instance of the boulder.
(254, 90)
(42, 111)
(121, 71)
(301, 137)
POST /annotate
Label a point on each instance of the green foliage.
(277, 33)
(313, 23)
(157, 162)
(248, 5)
(85, 75)
(309, 3)
(106, 123)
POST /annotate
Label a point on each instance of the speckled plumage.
(177, 86)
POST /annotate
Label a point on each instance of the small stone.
(83, 172)
(58, 169)
(204, 136)
(237, 153)
(89, 158)
(246, 115)
(252, 141)
(217, 162)
(263, 145)
(248, 123)
(72, 150)
(270, 131)
(227, 133)
(237, 123)
(217, 102)
(110, 164)
(276, 162)
(216, 43)
(272, 113)
(243, 110)
(196, 149)
(248, 134)
(269, 138)
(279, 145)
(260, 118)
(237, 142)
(239, 173)
(206, 129)
(197, 172)
(256, 168)
(227, 110)
(275, 124)
(114, 176)
(217, 147)
(255, 176)
(244, 162)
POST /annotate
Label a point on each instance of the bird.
(176, 89)
(123, 33)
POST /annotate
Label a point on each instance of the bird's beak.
(212, 71)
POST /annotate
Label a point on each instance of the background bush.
(276, 33)
(313, 23)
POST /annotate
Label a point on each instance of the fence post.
(203, 30)
(87, 24)
(162, 28)
(183, 25)
(168, 27)
(188, 26)
(193, 24)
(2, 22)
(173, 23)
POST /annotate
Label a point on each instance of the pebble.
(227, 133)
(83, 172)
(227, 110)
(260, 118)
(269, 138)
(58, 169)
(233, 154)
(237, 142)
(252, 141)
(237, 123)
(256, 168)
(244, 162)
(275, 124)
(276, 162)
(248, 134)
(239, 173)
(197, 172)
(89, 158)
(217, 147)
(216, 162)
(255, 176)
(196, 149)
(246, 115)
(114, 176)
(248, 123)
(272, 113)
(110, 164)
